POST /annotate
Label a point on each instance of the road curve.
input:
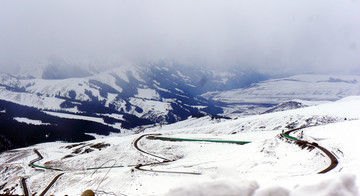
(333, 159)
(24, 186)
(51, 183)
(163, 160)
(37, 159)
(40, 157)
(31, 164)
(143, 151)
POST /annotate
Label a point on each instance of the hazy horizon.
(275, 36)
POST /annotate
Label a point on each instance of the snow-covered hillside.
(126, 98)
(159, 93)
(139, 95)
(271, 164)
(314, 88)
(114, 100)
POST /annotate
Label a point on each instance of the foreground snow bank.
(217, 188)
(342, 185)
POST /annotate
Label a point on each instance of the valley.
(126, 100)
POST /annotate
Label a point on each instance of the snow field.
(305, 87)
(267, 166)
(30, 121)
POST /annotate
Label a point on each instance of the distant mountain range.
(67, 106)
(307, 89)
(113, 101)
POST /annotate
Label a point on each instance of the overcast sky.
(280, 35)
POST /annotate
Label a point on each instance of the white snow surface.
(73, 116)
(81, 117)
(267, 166)
(49, 94)
(111, 97)
(147, 94)
(30, 121)
(31, 100)
(304, 87)
(150, 107)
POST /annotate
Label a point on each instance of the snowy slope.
(92, 101)
(171, 93)
(156, 93)
(304, 87)
(141, 95)
(275, 91)
(33, 100)
(270, 165)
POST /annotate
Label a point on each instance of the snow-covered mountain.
(135, 164)
(289, 105)
(305, 87)
(158, 93)
(312, 87)
(123, 98)
(114, 100)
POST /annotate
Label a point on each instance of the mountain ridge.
(122, 99)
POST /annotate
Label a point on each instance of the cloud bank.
(277, 35)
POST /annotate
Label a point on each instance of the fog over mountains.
(273, 36)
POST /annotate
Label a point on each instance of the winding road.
(333, 159)
(32, 164)
(163, 160)
(136, 145)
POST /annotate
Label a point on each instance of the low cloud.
(280, 36)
